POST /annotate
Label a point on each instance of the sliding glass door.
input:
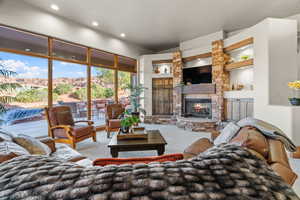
(27, 92)
(102, 92)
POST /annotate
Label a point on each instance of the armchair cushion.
(64, 118)
(116, 113)
(82, 130)
(114, 123)
(121, 161)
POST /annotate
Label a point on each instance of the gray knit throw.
(223, 172)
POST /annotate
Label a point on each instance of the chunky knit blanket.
(223, 172)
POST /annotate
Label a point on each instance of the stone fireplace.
(199, 108)
(211, 108)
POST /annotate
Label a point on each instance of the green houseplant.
(128, 121)
(6, 88)
(135, 98)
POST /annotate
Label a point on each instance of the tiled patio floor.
(36, 128)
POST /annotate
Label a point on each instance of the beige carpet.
(177, 140)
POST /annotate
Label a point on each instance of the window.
(102, 90)
(126, 64)
(25, 114)
(70, 89)
(21, 41)
(27, 54)
(101, 58)
(68, 51)
(124, 83)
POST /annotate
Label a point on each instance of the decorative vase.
(136, 114)
(124, 129)
(295, 101)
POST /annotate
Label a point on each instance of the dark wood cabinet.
(237, 109)
(162, 96)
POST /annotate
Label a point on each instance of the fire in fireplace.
(201, 108)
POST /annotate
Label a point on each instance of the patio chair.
(100, 107)
(62, 127)
(112, 113)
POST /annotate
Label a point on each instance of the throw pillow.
(6, 136)
(227, 133)
(65, 118)
(251, 138)
(32, 145)
(9, 150)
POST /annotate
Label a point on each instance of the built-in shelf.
(240, 44)
(239, 64)
(239, 94)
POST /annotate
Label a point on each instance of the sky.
(33, 67)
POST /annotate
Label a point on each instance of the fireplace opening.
(201, 108)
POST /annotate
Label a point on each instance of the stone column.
(177, 81)
(220, 77)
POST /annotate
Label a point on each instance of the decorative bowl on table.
(295, 101)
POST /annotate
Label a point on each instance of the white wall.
(201, 41)
(282, 34)
(18, 14)
(169, 50)
(145, 77)
(275, 63)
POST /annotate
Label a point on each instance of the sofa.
(10, 149)
(269, 150)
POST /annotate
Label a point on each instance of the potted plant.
(245, 57)
(6, 88)
(135, 97)
(128, 121)
(295, 86)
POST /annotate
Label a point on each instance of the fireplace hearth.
(200, 108)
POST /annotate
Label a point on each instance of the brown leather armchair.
(112, 113)
(272, 151)
(62, 127)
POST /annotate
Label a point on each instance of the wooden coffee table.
(155, 141)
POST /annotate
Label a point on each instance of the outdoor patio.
(38, 128)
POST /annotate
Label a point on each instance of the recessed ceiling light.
(122, 35)
(27, 50)
(54, 7)
(94, 23)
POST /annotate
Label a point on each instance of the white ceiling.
(162, 24)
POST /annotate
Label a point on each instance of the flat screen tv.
(197, 75)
